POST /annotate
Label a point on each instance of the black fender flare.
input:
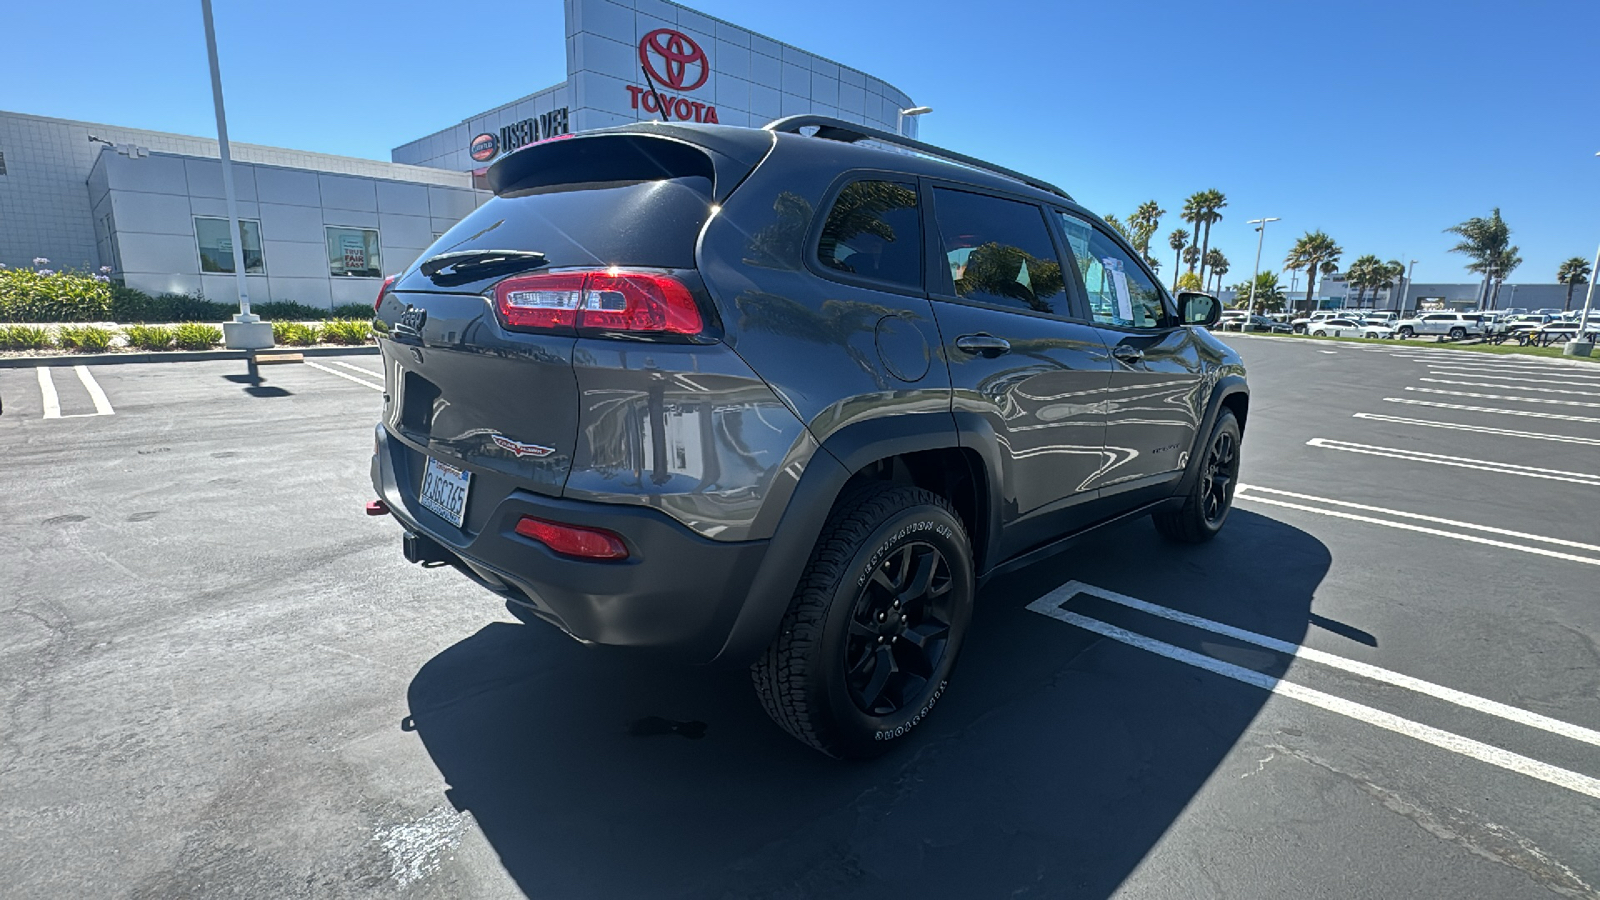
(844, 453)
(1230, 385)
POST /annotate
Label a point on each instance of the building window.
(353, 253)
(216, 250)
(2, 163)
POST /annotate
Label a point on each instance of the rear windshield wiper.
(472, 264)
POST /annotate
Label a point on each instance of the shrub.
(194, 336)
(289, 312)
(149, 337)
(86, 338)
(347, 331)
(41, 295)
(133, 305)
(352, 311)
(25, 337)
(294, 334)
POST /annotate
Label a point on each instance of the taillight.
(384, 289)
(601, 300)
(571, 540)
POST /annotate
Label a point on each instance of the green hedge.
(28, 295)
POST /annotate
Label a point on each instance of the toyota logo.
(677, 52)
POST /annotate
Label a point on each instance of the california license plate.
(444, 490)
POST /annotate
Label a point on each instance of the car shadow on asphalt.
(1056, 761)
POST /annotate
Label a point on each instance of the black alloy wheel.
(899, 630)
(1407, 332)
(1221, 475)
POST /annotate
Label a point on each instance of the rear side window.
(999, 252)
(875, 231)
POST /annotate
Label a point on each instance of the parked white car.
(1304, 324)
(1350, 328)
(1453, 325)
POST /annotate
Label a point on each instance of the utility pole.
(1406, 294)
(1261, 227)
(1578, 346)
(246, 331)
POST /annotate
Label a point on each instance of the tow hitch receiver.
(422, 549)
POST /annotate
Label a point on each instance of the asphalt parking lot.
(219, 678)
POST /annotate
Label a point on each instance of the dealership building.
(322, 230)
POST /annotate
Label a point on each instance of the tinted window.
(875, 231)
(1120, 293)
(999, 252)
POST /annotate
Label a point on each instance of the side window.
(999, 251)
(1120, 293)
(875, 231)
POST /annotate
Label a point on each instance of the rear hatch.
(486, 388)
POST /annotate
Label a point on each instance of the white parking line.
(1251, 492)
(1050, 605)
(1502, 397)
(1365, 670)
(1481, 429)
(47, 391)
(1511, 387)
(1490, 409)
(361, 381)
(1562, 377)
(357, 368)
(102, 406)
(1460, 462)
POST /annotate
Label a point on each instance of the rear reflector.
(570, 540)
(612, 300)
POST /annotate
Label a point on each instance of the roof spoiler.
(833, 129)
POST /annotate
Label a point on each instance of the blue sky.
(1379, 121)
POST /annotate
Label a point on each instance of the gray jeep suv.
(786, 398)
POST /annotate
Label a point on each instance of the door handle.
(1127, 354)
(985, 345)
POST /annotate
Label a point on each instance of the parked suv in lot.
(1453, 325)
(786, 399)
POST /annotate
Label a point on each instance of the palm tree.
(1194, 212)
(1191, 255)
(1268, 294)
(1573, 271)
(1366, 272)
(1211, 201)
(1392, 270)
(1177, 240)
(1146, 220)
(1116, 223)
(1218, 270)
(1211, 260)
(1314, 252)
(1488, 243)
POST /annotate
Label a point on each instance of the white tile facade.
(748, 79)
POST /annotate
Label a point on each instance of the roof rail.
(839, 130)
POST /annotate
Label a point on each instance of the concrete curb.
(104, 359)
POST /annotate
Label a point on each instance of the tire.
(1407, 332)
(1205, 510)
(1372, 335)
(820, 679)
(1320, 333)
(1457, 334)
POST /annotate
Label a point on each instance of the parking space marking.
(1460, 462)
(47, 390)
(361, 381)
(1561, 378)
(1253, 492)
(1511, 387)
(356, 368)
(1477, 396)
(1051, 605)
(1491, 409)
(1355, 667)
(1481, 429)
(102, 406)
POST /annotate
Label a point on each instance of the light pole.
(246, 331)
(1405, 295)
(1578, 346)
(1261, 227)
(900, 123)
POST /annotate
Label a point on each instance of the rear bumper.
(677, 592)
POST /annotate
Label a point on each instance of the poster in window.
(355, 252)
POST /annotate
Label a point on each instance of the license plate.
(444, 490)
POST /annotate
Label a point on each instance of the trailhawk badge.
(519, 449)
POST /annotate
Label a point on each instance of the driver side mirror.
(1195, 308)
